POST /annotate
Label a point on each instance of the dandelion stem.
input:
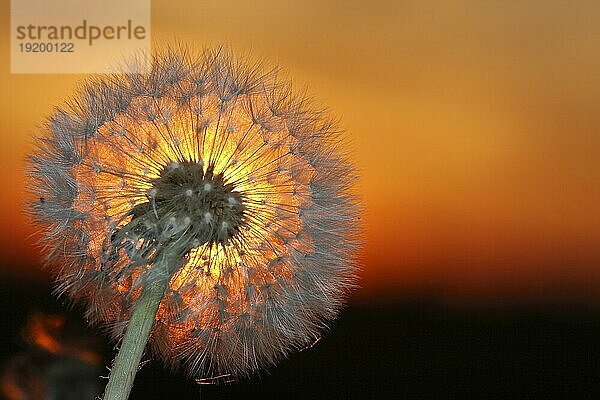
(138, 330)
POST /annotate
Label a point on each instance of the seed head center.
(210, 208)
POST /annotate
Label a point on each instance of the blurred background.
(477, 132)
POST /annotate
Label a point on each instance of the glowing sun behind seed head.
(221, 165)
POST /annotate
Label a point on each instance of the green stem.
(138, 330)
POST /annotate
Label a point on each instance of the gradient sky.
(475, 126)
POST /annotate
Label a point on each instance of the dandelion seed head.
(215, 159)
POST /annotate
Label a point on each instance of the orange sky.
(476, 128)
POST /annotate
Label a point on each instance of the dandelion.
(203, 204)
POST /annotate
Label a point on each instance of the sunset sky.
(475, 125)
